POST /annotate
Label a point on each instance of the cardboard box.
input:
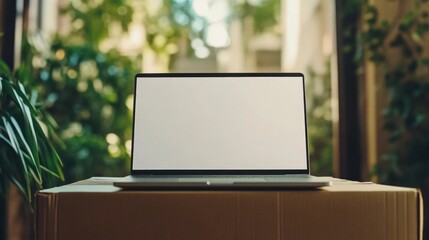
(94, 209)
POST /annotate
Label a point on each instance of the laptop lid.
(219, 123)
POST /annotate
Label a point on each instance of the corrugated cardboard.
(94, 209)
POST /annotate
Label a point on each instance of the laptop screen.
(219, 122)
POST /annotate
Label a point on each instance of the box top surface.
(105, 185)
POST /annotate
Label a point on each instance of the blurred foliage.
(266, 13)
(88, 90)
(175, 24)
(91, 20)
(319, 112)
(161, 29)
(163, 32)
(350, 15)
(398, 47)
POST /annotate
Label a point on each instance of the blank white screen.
(211, 123)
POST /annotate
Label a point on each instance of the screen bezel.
(219, 171)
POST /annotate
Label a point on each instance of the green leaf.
(19, 153)
(33, 155)
(419, 119)
(371, 15)
(4, 69)
(5, 140)
(51, 172)
(407, 22)
(21, 139)
(9, 133)
(53, 157)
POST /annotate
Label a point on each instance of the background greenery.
(319, 112)
(398, 47)
(88, 89)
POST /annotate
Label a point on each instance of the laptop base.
(222, 182)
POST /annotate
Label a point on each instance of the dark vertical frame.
(11, 25)
(8, 16)
(349, 144)
(7, 47)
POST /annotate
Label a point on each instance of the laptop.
(220, 131)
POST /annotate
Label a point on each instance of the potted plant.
(27, 157)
